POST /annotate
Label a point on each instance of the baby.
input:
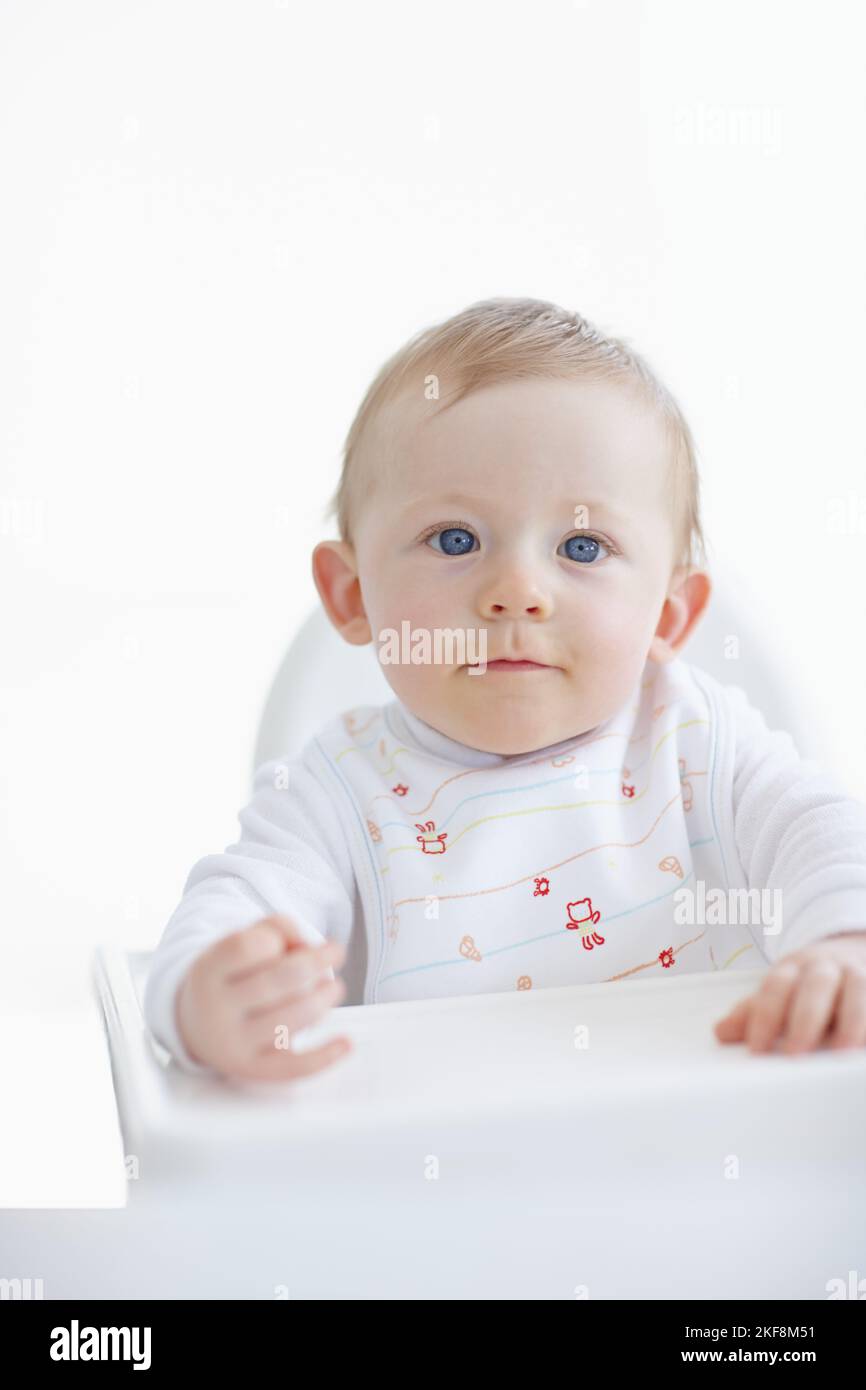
(554, 796)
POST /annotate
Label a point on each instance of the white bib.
(561, 866)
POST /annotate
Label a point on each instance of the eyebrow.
(460, 499)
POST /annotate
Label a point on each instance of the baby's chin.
(511, 729)
(517, 742)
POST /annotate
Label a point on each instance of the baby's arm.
(798, 830)
(290, 866)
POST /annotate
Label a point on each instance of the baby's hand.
(242, 989)
(818, 991)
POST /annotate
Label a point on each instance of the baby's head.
(512, 476)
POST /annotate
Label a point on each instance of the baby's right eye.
(456, 540)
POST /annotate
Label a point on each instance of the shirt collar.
(412, 730)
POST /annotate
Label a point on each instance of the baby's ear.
(687, 598)
(335, 575)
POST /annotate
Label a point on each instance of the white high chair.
(319, 1185)
(321, 674)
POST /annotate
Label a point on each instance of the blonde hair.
(503, 339)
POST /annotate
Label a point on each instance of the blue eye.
(584, 549)
(455, 540)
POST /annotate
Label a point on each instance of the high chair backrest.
(321, 675)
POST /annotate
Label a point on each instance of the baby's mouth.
(507, 666)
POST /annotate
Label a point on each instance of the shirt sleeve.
(797, 829)
(291, 860)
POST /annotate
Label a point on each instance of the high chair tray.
(589, 1078)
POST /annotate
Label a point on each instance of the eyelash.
(464, 526)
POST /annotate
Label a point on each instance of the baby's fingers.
(759, 1019)
(284, 1065)
(850, 1029)
(813, 1006)
(771, 1006)
(297, 971)
(268, 1028)
(732, 1027)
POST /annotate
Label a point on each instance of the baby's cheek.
(612, 642)
(419, 606)
(611, 627)
(410, 662)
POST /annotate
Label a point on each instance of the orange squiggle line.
(474, 771)
(534, 811)
(501, 887)
(649, 964)
(537, 762)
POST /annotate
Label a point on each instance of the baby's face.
(479, 531)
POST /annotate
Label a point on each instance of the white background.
(219, 219)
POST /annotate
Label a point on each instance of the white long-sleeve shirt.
(680, 835)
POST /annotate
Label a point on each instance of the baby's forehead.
(563, 409)
(579, 437)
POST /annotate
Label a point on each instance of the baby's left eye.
(584, 549)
